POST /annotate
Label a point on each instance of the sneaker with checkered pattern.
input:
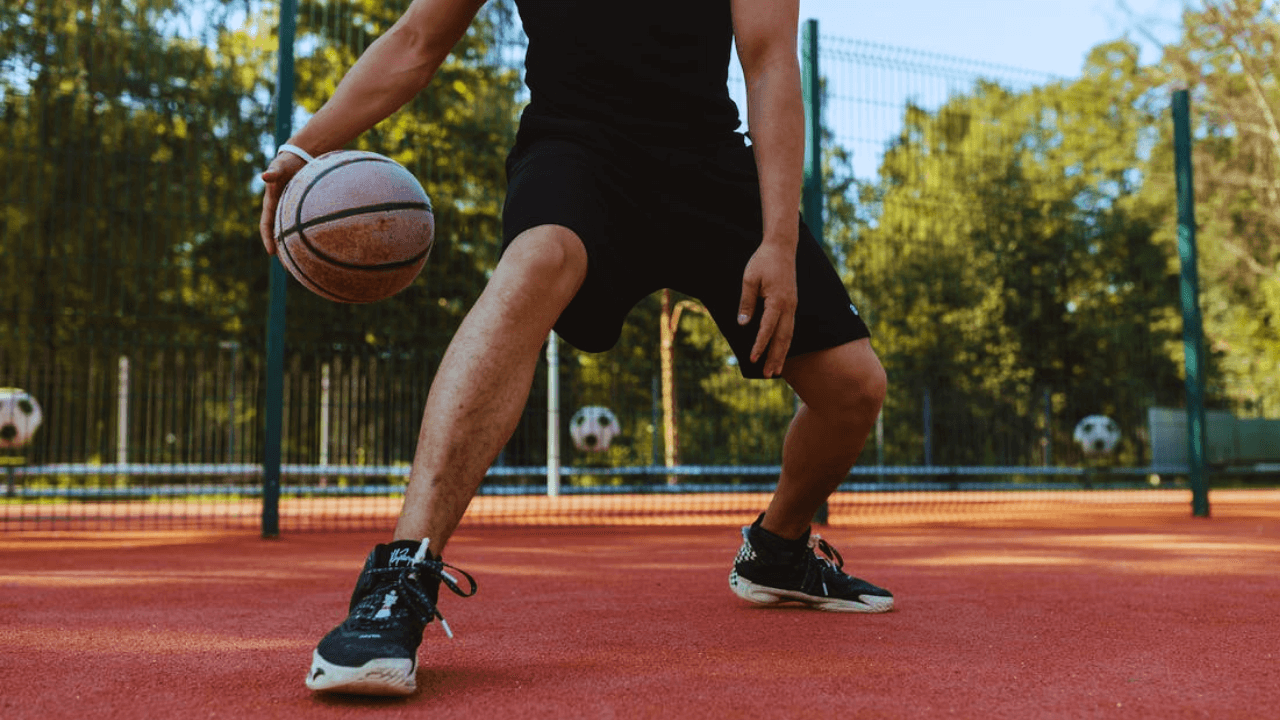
(811, 574)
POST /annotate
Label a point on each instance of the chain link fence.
(988, 221)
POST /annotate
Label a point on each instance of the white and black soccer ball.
(1097, 435)
(593, 428)
(20, 415)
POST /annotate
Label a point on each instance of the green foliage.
(1017, 249)
(127, 148)
(132, 138)
(1003, 255)
(113, 126)
(1228, 58)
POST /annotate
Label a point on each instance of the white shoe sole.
(376, 677)
(762, 595)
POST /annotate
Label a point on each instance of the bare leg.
(483, 382)
(842, 389)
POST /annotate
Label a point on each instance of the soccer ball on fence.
(1097, 435)
(19, 417)
(593, 428)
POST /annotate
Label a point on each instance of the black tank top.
(654, 71)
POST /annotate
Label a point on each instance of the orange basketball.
(354, 226)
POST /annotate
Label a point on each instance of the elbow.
(770, 69)
(416, 56)
(765, 56)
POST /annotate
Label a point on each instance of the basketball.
(354, 226)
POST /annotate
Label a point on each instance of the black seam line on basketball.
(299, 226)
(302, 235)
(310, 281)
(362, 210)
(297, 220)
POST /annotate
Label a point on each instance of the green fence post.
(1192, 329)
(274, 411)
(811, 199)
(811, 86)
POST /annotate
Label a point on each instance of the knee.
(858, 394)
(548, 252)
(849, 387)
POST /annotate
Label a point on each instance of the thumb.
(276, 174)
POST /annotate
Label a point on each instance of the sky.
(1046, 36)
(1051, 36)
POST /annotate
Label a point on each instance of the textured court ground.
(1132, 612)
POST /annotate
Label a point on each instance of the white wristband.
(296, 151)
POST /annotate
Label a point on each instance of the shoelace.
(408, 579)
(833, 558)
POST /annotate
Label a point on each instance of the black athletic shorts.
(650, 218)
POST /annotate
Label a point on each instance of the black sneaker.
(771, 570)
(375, 651)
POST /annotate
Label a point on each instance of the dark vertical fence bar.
(811, 86)
(813, 192)
(274, 410)
(1192, 327)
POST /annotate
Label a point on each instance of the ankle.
(789, 531)
(775, 547)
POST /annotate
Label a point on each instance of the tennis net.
(349, 497)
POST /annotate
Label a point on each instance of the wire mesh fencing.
(995, 227)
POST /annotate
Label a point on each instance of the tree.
(1003, 257)
(1229, 56)
(133, 136)
(115, 119)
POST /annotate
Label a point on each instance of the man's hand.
(277, 175)
(771, 275)
(389, 73)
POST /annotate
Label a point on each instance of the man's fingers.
(777, 324)
(267, 224)
(747, 306)
(768, 322)
(779, 345)
(768, 290)
(276, 176)
(267, 231)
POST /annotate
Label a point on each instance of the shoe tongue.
(400, 554)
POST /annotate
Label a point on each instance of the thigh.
(554, 182)
(716, 226)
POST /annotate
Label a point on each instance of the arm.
(765, 33)
(392, 70)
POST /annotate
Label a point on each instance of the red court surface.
(1144, 612)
